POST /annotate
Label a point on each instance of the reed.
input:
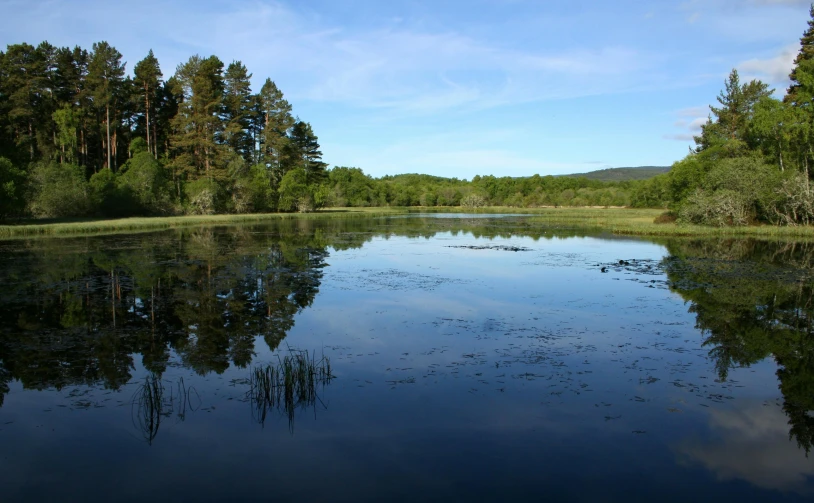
(288, 384)
(148, 407)
(151, 404)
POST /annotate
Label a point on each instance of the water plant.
(288, 384)
(151, 404)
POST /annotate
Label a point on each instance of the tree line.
(79, 137)
(752, 160)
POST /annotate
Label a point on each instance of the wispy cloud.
(689, 123)
(774, 70)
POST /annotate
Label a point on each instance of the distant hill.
(623, 174)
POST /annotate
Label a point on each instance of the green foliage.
(12, 187)
(202, 197)
(623, 174)
(60, 190)
(105, 196)
(735, 191)
(144, 181)
(294, 192)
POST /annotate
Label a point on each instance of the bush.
(12, 189)
(668, 217)
(144, 179)
(721, 208)
(60, 190)
(795, 203)
(473, 200)
(294, 193)
(202, 196)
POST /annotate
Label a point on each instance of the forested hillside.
(623, 174)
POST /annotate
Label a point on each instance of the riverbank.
(623, 221)
(138, 224)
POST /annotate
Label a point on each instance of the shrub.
(795, 204)
(12, 188)
(724, 207)
(60, 190)
(473, 200)
(202, 196)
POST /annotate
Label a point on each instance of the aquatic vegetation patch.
(288, 384)
(493, 247)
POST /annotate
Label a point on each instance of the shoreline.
(621, 221)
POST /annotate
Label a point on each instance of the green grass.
(137, 224)
(623, 221)
(639, 222)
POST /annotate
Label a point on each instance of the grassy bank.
(639, 222)
(624, 221)
(79, 227)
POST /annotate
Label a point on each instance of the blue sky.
(461, 87)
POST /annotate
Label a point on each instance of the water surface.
(473, 358)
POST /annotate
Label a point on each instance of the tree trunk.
(31, 141)
(147, 115)
(107, 112)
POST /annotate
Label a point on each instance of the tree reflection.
(78, 311)
(754, 300)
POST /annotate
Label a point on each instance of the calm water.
(473, 359)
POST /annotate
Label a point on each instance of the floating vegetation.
(151, 404)
(288, 384)
(494, 247)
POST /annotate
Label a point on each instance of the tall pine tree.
(147, 82)
(105, 77)
(806, 54)
(237, 110)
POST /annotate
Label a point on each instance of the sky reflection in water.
(460, 373)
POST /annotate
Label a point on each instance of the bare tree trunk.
(107, 112)
(30, 141)
(147, 115)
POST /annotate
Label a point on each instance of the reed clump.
(288, 384)
(152, 404)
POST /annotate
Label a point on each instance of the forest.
(79, 137)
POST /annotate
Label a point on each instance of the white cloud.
(752, 444)
(690, 121)
(774, 70)
(398, 66)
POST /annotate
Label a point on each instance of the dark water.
(473, 359)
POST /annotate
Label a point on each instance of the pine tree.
(277, 121)
(198, 126)
(22, 85)
(147, 82)
(237, 109)
(806, 54)
(730, 121)
(303, 152)
(105, 77)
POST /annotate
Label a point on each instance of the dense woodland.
(753, 158)
(80, 137)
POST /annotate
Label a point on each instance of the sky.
(459, 88)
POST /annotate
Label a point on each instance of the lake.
(469, 357)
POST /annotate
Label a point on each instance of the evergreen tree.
(147, 82)
(105, 77)
(303, 152)
(198, 127)
(806, 54)
(729, 123)
(277, 121)
(22, 84)
(237, 109)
